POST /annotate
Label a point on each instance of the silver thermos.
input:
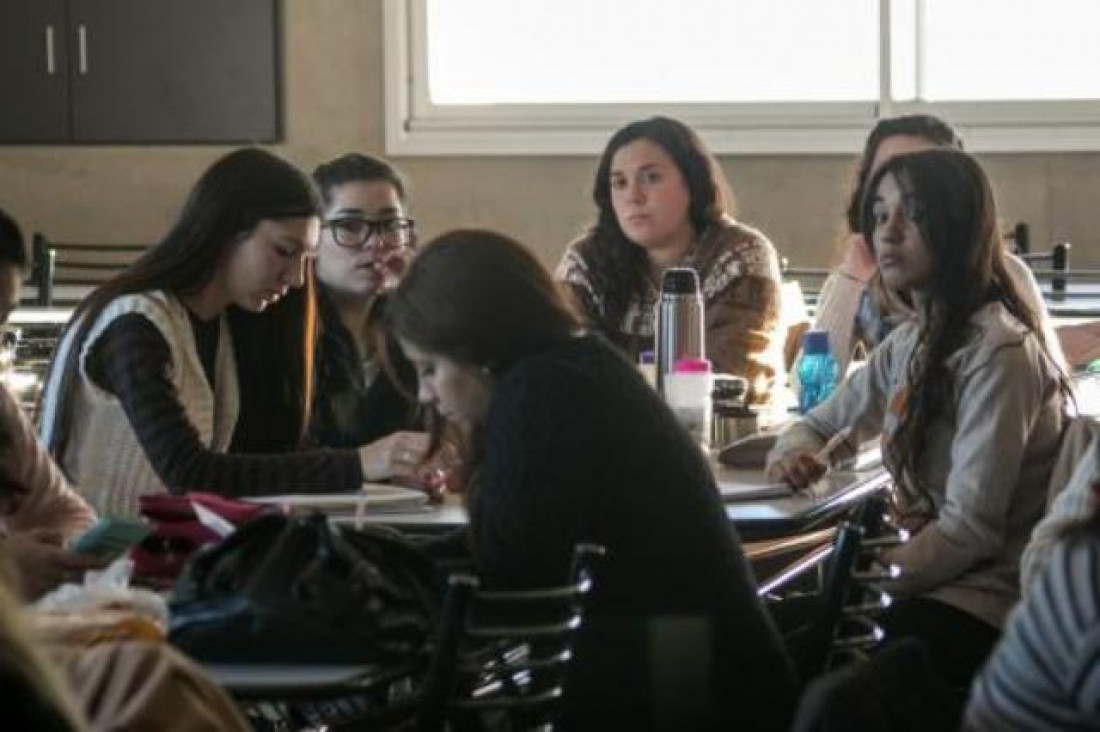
(679, 321)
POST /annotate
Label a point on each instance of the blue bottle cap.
(815, 341)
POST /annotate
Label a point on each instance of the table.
(757, 518)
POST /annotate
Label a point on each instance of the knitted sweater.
(40, 497)
(739, 273)
(986, 464)
(577, 447)
(1045, 673)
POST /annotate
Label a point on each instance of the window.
(798, 76)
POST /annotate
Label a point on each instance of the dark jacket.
(346, 411)
(577, 447)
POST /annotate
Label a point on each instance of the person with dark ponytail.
(968, 401)
(39, 510)
(204, 344)
(564, 443)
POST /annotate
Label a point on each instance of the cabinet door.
(34, 70)
(172, 71)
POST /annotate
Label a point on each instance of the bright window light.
(628, 51)
(984, 50)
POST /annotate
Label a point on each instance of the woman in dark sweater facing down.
(565, 442)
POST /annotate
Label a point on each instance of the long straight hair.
(232, 196)
(958, 223)
(481, 299)
(618, 267)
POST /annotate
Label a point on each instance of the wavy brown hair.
(958, 224)
(618, 267)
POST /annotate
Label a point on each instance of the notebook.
(375, 498)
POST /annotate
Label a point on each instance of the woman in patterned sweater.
(662, 202)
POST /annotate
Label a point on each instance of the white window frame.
(416, 127)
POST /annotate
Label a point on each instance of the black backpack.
(301, 590)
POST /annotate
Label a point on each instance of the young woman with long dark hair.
(662, 201)
(565, 442)
(967, 398)
(847, 306)
(206, 341)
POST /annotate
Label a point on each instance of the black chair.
(63, 273)
(1053, 264)
(842, 615)
(505, 653)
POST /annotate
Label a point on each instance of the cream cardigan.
(103, 454)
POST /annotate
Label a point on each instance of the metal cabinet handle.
(51, 64)
(82, 45)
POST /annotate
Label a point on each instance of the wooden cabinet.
(139, 71)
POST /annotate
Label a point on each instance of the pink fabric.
(48, 501)
(178, 533)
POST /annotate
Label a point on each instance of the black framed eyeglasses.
(353, 232)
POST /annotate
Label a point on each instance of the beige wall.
(333, 98)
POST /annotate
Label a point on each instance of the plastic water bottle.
(680, 331)
(688, 394)
(817, 370)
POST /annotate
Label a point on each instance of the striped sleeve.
(131, 360)
(1045, 673)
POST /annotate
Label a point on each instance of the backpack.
(302, 590)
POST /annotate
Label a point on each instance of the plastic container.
(687, 393)
(817, 370)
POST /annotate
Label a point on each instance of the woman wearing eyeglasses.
(205, 343)
(366, 242)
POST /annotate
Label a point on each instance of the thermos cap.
(680, 281)
(815, 341)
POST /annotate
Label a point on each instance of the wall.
(333, 97)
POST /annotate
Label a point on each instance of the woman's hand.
(398, 455)
(858, 261)
(800, 468)
(44, 563)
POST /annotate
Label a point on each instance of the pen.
(833, 443)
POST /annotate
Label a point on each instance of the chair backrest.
(506, 651)
(63, 273)
(852, 598)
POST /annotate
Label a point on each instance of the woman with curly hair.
(662, 202)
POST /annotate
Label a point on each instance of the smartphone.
(110, 537)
